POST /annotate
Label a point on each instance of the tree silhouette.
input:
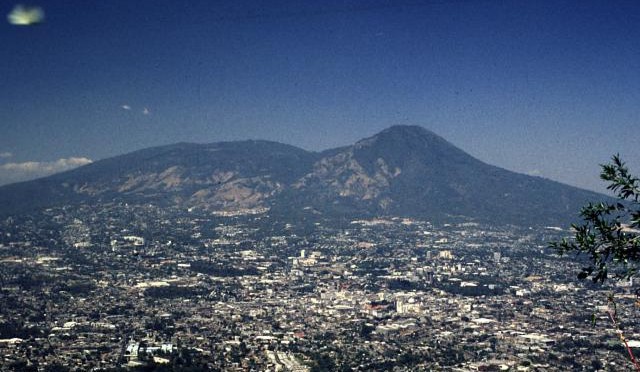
(610, 231)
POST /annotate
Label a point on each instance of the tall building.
(497, 256)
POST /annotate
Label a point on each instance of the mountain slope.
(407, 170)
(219, 176)
(401, 171)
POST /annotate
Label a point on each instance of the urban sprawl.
(123, 286)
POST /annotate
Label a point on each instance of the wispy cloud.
(16, 172)
(145, 110)
(535, 172)
(6, 155)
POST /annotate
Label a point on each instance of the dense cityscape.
(306, 186)
(142, 287)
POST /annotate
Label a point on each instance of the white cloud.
(16, 172)
(25, 16)
(6, 155)
(144, 111)
(535, 172)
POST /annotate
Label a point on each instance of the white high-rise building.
(497, 256)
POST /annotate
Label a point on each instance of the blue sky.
(549, 88)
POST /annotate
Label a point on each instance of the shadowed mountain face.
(401, 171)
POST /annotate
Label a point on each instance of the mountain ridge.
(400, 171)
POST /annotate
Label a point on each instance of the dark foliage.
(608, 234)
(14, 328)
(172, 292)
(218, 270)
